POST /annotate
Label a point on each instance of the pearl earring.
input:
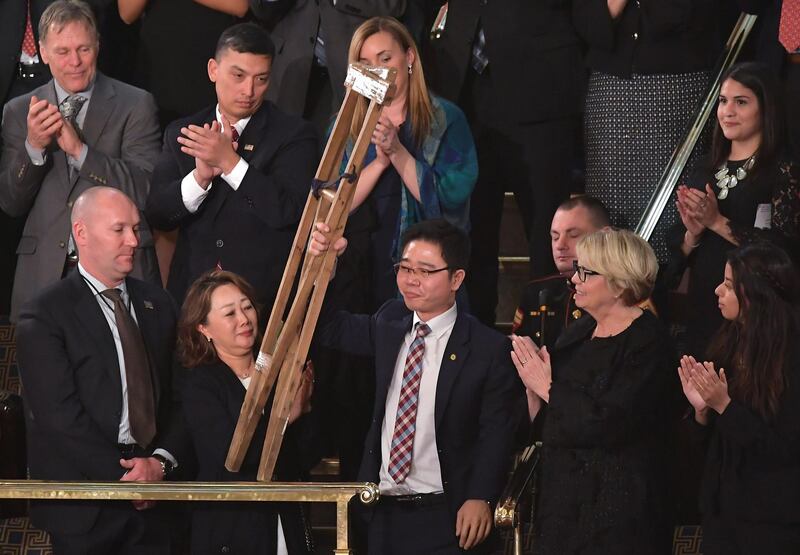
(410, 71)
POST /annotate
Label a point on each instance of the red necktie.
(405, 423)
(28, 42)
(234, 135)
(789, 30)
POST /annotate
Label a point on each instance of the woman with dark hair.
(217, 336)
(750, 495)
(745, 190)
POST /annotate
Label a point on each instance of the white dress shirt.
(193, 194)
(107, 308)
(425, 475)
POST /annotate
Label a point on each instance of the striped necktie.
(405, 423)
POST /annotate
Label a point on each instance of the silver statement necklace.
(727, 181)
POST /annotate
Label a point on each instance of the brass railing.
(314, 492)
(506, 514)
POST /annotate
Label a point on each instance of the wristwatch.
(166, 465)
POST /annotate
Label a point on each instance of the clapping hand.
(705, 386)
(712, 387)
(385, 137)
(533, 365)
(44, 122)
(212, 148)
(68, 140)
(692, 395)
(688, 203)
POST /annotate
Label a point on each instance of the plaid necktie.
(789, 30)
(141, 403)
(479, 58)
(405, 423)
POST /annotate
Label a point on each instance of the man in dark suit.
(447, 401)
(234, 178)
(95, 356)
(79, 130)
(515, 68)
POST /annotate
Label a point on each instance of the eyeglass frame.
(582, 272)
(422, 273)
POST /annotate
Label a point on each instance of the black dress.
(212, 398)
(750, 495)
(775, 187)
(602, 485)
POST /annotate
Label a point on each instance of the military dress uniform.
(560, 310)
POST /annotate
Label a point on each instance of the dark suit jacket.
(121, 131)
(649, 36)
(73, 393)
(294, 25)
(248, 231)
(478, 404)
(763, 45)
(534, 58)
(212, 399)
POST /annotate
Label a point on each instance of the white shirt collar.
(239, 125)
(98, 286)
(61, 93)
(441, 323)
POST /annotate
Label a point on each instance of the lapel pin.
(453, 356)
(249, 147)
(148, 305)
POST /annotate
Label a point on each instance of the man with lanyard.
(95, 356)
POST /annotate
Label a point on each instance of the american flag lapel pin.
(249, 147)
(148, 305)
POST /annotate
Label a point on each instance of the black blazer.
(479, 399)
(754, 465)
(534, 57)
(248, 231)
(212, 400)
(764, 45)
(73, 392)
(649, 36)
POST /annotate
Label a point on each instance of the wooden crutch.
(286, 341)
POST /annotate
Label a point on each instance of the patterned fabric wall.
(9, 373)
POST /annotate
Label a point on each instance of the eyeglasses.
(583, 272)
(423, 273)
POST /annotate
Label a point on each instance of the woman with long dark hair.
(746, 190)
(750, 494)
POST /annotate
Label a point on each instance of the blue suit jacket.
(479, 398)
